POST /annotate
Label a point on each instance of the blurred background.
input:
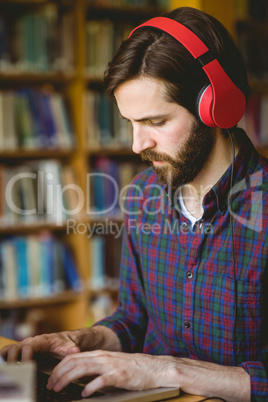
(65, 154)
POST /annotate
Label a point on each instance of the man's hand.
(58, 345)
(54, 345)
(135, 371)
(122, 370)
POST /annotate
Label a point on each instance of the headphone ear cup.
(205, 101)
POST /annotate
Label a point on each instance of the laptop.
(73, 392)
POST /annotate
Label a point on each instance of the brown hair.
(153, 53)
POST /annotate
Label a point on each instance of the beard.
(188, 161)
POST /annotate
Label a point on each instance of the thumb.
(72, 350)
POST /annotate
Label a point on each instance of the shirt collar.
(244, 164)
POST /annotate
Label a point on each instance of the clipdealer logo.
(49, 194)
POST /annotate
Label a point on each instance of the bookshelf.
(40, 63)
(71, 74)
(251, 27)
(49, 87)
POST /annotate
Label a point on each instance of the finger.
(66, 379)
(105, 380)
(73, 367)
(27, 353)
(67, 365)
(11, 353)
(3, 351)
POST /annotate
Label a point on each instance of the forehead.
(140, 95)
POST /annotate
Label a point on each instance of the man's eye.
(156, 124)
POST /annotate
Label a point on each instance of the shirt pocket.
(249, 313)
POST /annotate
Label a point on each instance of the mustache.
(149, 156)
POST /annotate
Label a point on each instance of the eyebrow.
(146, 118)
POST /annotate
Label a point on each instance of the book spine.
(22, 267)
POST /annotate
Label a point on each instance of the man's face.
(165, 134)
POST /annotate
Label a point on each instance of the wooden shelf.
(23, 2)
(26, 78)
(20, 154)
(105, 220)
(112, 292)
(26, 228)
(64, 297)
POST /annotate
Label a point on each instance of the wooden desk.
(5, 341)
(182, 398)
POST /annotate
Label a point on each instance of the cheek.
(176, 137)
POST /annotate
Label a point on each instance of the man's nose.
(142, 139)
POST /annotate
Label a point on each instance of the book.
(34, 261)
(65, 59)
(73, 279)
(38, 40)
(97, 268)
(47, 265)
(24, 285)
(36, 266)
(39, 128)
(52, 191)
(73, 196)
(59, 282)
(28, 196)
(63, 132)
(109, 180)
(90, 113)
(24, 126)
(9, 270)
(39, 191)
(104, 126)
(11, 140)
(4, 51)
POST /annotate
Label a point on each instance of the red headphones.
(221, 104)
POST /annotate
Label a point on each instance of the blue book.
(98, 191)
(24, 284)
(46, 274)
(51, 130)
(38, 124)
(72, 278)
(106, 189)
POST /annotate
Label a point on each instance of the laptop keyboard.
(70, 393)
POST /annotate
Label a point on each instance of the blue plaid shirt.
(176, 292)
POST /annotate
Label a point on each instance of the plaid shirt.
(177, 282)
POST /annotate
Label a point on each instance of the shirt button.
(189, 275)
(184, 225)
(187, 324)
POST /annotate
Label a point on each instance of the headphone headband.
(222, 104)
(180, 32)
